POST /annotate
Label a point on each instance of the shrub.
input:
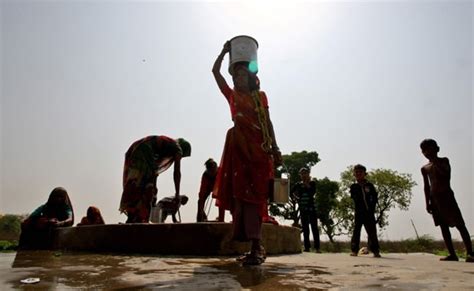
(8, 245)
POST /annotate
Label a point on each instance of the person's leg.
(466, 238)
(250, 229)
(373, 241)
(221, 214)
(305, 226)
(314, 228)
(130, 218)
(201, 214)
(257, 246)
(200, 211)
(130, 201)
(146, 202)
(132, 215)
(355, 240)
(449, 244)
(173, 217)
(164, 215)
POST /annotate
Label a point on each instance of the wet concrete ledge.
(199, 239)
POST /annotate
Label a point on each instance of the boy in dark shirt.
(304, 192)
(365, 199)
(440, 201)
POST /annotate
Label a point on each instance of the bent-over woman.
(144, 161)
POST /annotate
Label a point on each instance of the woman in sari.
(144, 161)
(36, 229)
(93, 217)
(250, 153)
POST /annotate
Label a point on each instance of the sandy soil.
(307, 271)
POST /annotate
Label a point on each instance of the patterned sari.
(246, 169)
(144, 161)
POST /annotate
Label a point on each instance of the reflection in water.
(69, 269)
(267, 275)
(65, 270)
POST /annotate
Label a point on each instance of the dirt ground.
(306, 271)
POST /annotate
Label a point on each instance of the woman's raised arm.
(216, 69)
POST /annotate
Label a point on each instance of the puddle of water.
(273, 276)
(58, 270)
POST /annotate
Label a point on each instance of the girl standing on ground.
(250, 152)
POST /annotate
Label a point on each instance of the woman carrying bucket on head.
(250, 150)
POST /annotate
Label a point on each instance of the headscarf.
(58, 191)
(185, 147)
(94, 215)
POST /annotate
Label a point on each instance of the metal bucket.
(156, 214)
(281, 190)
(243, 48)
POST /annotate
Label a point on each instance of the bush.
(336, 247)
(10, 226)
(8, 245)
(423, 244)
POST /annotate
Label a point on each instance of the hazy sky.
(358, 82)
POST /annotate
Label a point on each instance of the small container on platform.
(281, 190)
(156, 214)
(243, 48)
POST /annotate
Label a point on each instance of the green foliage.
(297, 160)
(8, 245)
(342, 216)
(293, 163)
(326, 202)
(423, 244)
(394, 191)
(10, 225)
(336, 247)
(334, 204)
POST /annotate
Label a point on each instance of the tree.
(293, 163)
(10, 226)
(326, 202)
(394, 191)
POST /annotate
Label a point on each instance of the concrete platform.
(197, 239)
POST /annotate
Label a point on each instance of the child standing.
(365, 199)
(304, 192)
(440, 201)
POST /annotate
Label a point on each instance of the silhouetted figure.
(93, 217)
(440, 201)
(144, 161)
(365, 199)
(208, 179)
(304, 192)
(169, 206)
(36, 229)
(250, 151)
